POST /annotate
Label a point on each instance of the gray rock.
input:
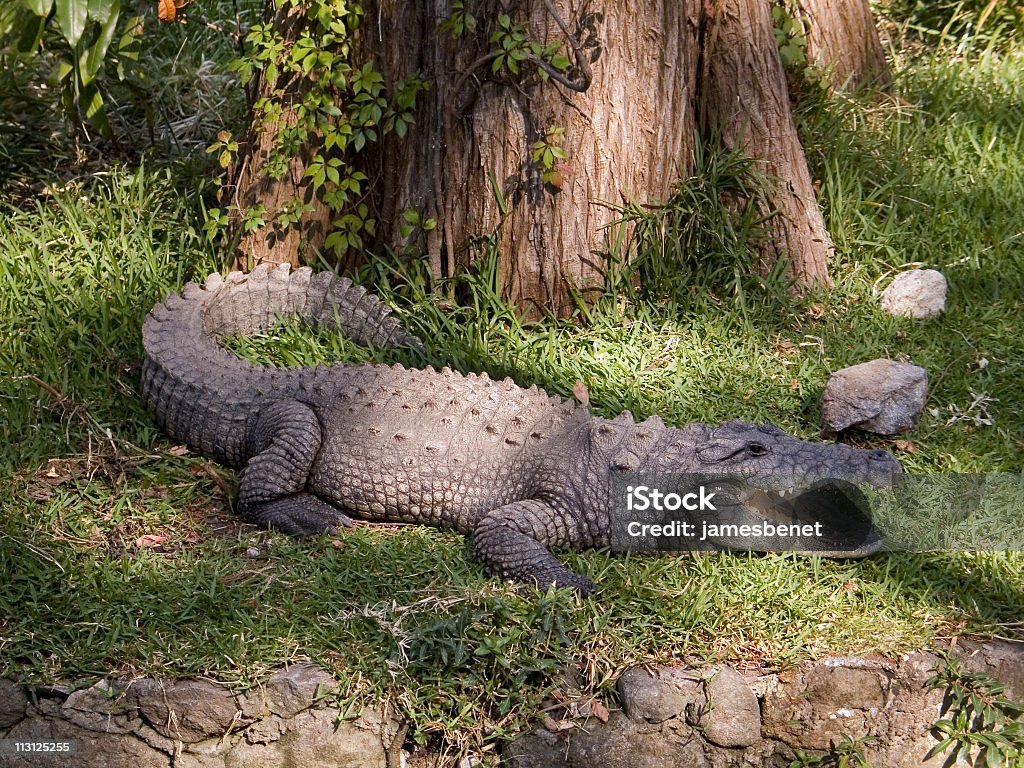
(826, 701)
(188, 711)
(536, 749)
(313, 740)
(12, 703)
(999, 659)
(733, 717)
(917, 293)
(103, 708)
(881, 396)
(92, 750)
(296, 688)
(623, 743)
(647, 698)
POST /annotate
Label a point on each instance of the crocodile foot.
(301, 514)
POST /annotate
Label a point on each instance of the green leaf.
(92, 102)
(63, 70)
(101, 10)
(93, 59)
(72, 15)
(31, 34)
(560, 62)
(39, 7)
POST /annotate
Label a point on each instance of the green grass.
(120, 555)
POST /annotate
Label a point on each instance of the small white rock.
(917, 293)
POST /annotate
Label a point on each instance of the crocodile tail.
(205, 396)
(248, 303)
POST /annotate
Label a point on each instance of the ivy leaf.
(560, 62)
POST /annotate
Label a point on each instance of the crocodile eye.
(757, 449)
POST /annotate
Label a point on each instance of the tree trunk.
(469, 162)
(843, 42)
(250, 187)
(745, 101)
(647, 78)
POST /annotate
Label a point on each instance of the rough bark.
(651, 76)
(745, 102)
(843, 42)
(468, 163)
(274, 244)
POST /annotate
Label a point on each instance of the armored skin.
(522, 471)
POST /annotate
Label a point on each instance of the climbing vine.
(322, 107)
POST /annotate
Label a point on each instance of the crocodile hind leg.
(512, 542)
(271, 494)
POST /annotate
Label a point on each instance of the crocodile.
(521, 470)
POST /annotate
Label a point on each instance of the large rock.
(91, 749)
(646, 697)
(999, 659)
(733, 715)
(12, 703)
(826, 701)
(188, 711)
(312, 739)
(881, 396)
(619, 743)
(296, 688)
(918, 293)
(103, 708)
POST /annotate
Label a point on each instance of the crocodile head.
(770, 476)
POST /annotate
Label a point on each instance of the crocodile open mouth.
(831, 518)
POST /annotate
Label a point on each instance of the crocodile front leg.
(271, 493)
(512, 542)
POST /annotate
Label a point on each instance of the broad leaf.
(31, 34)
(72, 15)
(39, 7)
(90, 64)
(92, 104)
(101, 10)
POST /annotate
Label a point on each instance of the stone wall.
(716, 717)
(195, 724)
(701, 718)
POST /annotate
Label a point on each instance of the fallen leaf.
(550, 724)
(166, 10)
(599, 710)
(579, 391)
